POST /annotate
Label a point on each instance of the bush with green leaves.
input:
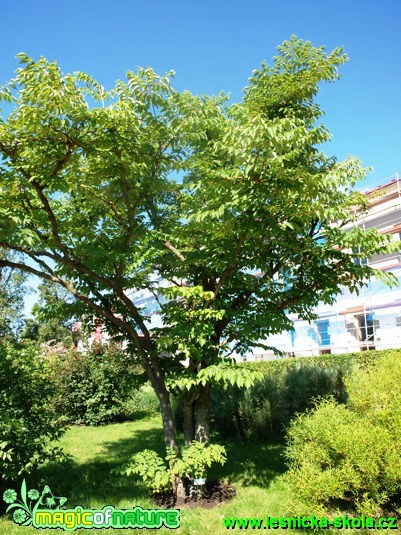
(151, 468)
(289, 386)
(158, 475)
(197, 457)
(93, 387)
(142, 403)
(28, 426)
(348, 456)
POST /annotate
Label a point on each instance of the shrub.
(141, 403)
(349, 455)
(289, 386)
(197, 457)
(263, 411)
(27, 423)
(151, 468)
(93, 387)
(160, 476)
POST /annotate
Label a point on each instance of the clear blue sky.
(215, 45)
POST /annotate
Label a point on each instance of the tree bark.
(189, 423)
(202, 414)
(156, 377)
(167, 417)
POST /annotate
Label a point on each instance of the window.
(293, 335)
(323, 330)
(359, 261)
(366, 332)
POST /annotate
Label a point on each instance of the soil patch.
(213, 494)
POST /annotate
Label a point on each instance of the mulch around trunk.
(213, 494)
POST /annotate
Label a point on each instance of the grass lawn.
(86, 480)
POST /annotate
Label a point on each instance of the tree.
(54, 315)
(12, 290)
(89, 196)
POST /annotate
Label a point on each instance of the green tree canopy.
(254, 232)
(53, 314)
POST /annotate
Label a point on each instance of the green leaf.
(23, 493)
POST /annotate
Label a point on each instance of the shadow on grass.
(252, 463)
(91, 482)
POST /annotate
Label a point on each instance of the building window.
(293, 334)
(323, 330)
(366, 332)
(359, 261)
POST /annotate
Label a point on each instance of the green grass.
(86, 479)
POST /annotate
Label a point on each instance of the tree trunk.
(202, 414)
(188, 425)
(156, 377)
(167, 418)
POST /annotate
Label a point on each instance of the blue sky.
(214, 46)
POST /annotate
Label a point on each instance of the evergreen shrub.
(289, 386)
